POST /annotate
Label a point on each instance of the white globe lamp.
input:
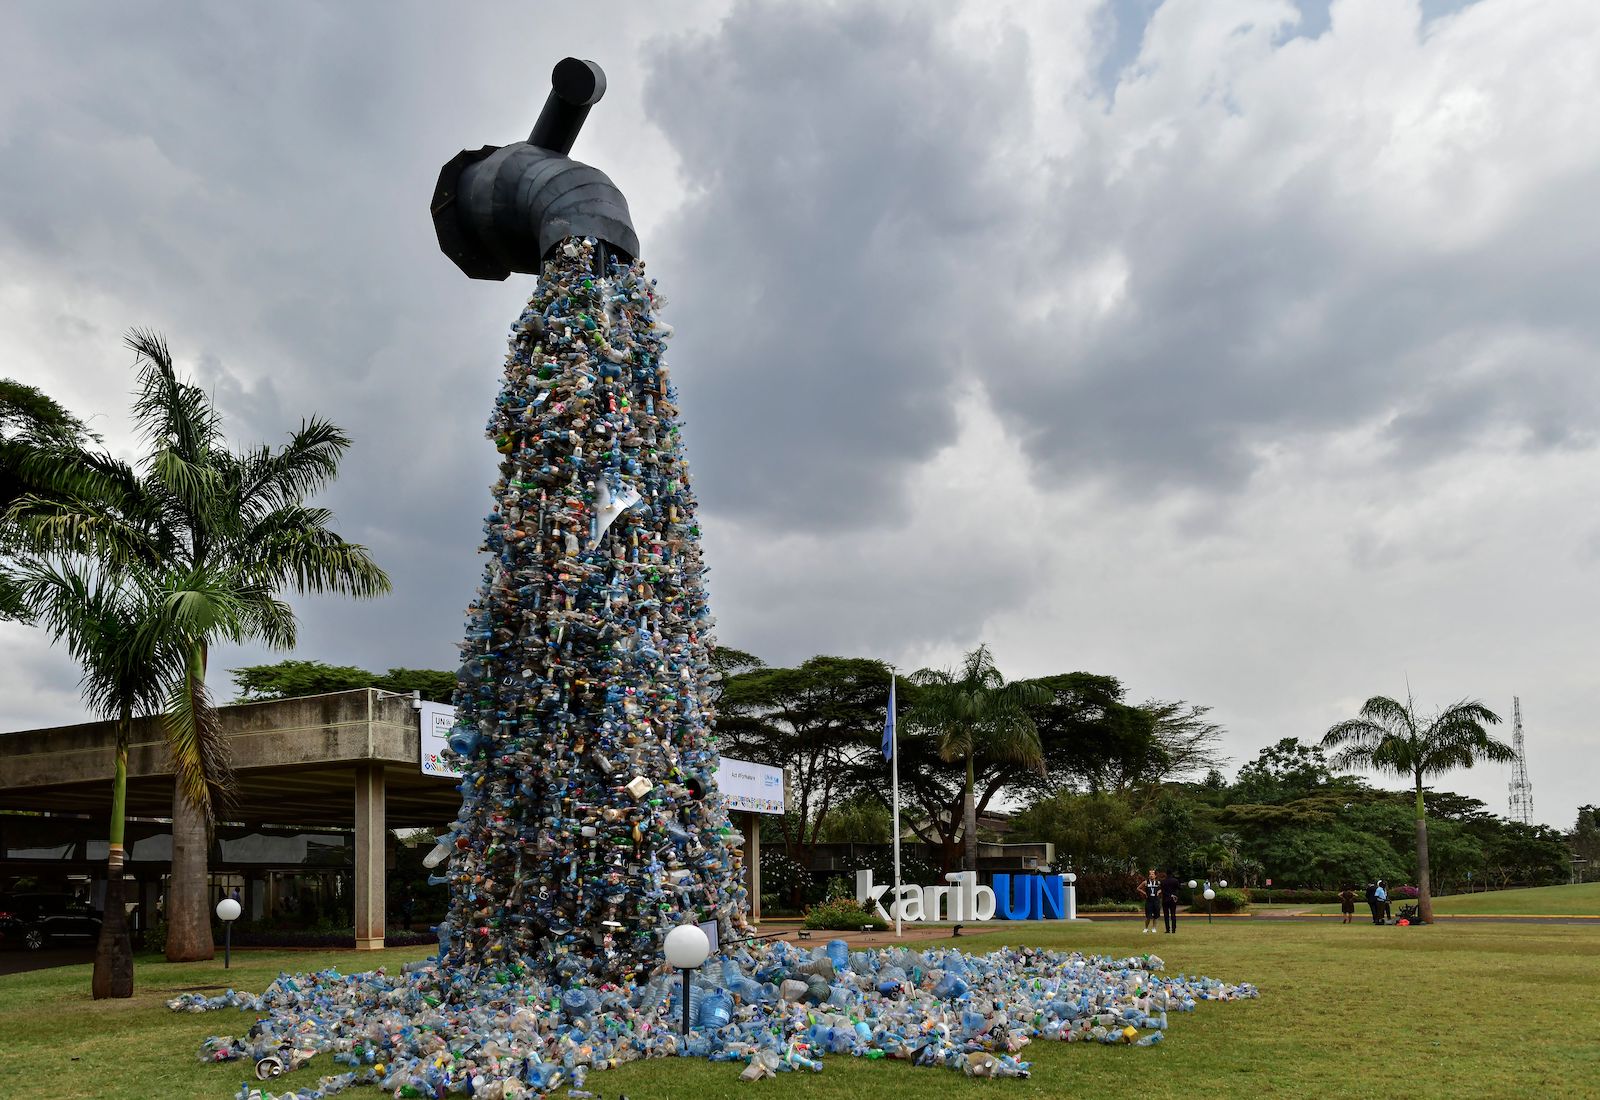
(1222, 883)
(687, 948)
(1210, 893)
(1193, 884)
(227, 911)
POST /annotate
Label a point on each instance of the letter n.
(1051, 899)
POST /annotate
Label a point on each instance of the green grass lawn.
(1582, 900)
(1345, 1010)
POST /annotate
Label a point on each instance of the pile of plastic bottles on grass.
(771, 1008)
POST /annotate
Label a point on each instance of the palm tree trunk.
(188, 898)
(1424, 889)
(188, 894)
(969, 813)
(113, 954)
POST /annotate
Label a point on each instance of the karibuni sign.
(1012, 897)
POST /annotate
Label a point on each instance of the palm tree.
(1388, 736)
(222, 533)
(30, 422)
(110, 622)
(976, 715)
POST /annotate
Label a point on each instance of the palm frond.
(171, 414)
(201, 761)
(309, 461)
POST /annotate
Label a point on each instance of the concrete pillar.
(369, 875)
(752, 856)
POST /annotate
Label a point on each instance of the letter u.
(1013, 897)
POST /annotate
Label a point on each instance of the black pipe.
(575, 86)
(502, 209)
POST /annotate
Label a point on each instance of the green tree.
(1585, 840)
(1388, 736)
(975, 714)
(295, 679)
(1089, 737)
(31, 424)
(1092, 831)
(110, 623)
(820, 722)
(859, 819)
(221, 533)
(1284, 772)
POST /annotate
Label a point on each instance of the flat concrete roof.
(295, 761)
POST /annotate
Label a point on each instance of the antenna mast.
(1521, 789)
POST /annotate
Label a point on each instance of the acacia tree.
(820, 722)
(110, 621)
(221, 533)
(1388, 736)
(974, 713)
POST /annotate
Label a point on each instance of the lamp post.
(1209, 895)
(228, 911)
(687, 948)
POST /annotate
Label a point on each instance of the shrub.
(1407, 892)
(1095, 887)
(155, 937)
(1112, 907)
(783, 875)
(1300, 897)
(844, 915)
(1227, 901)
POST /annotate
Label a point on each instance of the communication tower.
(1521, 789)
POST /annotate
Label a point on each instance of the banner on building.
(756, 788)
(437, 718)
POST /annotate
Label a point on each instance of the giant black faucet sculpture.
(590, 822)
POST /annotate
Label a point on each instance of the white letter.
(983, 903)
(910, 903)
(964, 884)
(866, 892)
(933, 901)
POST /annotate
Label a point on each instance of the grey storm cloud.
(1075, 328)
(842, 167)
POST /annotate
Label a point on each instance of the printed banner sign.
(437, 718)
(755, 788)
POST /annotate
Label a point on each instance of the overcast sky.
(1242, 349)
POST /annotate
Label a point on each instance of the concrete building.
(321, 780)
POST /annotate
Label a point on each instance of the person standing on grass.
(1372, 902)
(1169, 902)
(1347, 904)
(1150, 891)
(1382, 893)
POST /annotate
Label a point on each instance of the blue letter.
(1051, 899)
(1009, 902)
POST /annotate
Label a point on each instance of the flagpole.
(894, 785)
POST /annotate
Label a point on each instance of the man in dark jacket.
(1169, 902)
(1373, 903)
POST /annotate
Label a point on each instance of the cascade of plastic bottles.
(590, 821)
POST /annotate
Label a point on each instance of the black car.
(37, 920)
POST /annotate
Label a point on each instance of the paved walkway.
(18, 961)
